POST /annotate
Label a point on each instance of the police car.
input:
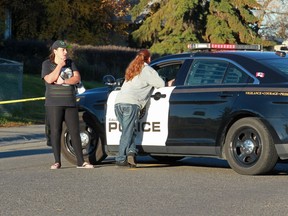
(228, 101)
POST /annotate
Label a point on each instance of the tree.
(232, 21)
(84, 21)
(169, 25)
(80, 21)
(273, 15)
(26, 21)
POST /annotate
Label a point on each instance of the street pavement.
(193, 186)
(22, 134)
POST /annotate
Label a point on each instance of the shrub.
(93, 62)
(96, 62)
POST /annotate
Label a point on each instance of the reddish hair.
(136, 65)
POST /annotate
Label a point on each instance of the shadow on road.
(27, 152)
(146, 162)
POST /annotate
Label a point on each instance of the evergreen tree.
(169, 25)
(232, 21)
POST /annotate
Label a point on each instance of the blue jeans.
(128, 116)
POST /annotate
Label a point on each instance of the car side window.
(235, 75)
(168, 71)
(206, 72)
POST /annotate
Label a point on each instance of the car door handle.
(158, 95)
(224, 95)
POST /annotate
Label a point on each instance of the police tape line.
(22, 100)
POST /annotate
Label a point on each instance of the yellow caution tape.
(22, 100)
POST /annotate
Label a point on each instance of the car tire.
(92, 148)
(249, 148)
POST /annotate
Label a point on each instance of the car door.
(200, 107)
(152, 128)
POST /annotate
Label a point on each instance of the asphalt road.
(195, 186)
(24, 134)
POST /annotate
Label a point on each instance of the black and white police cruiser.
(228, 101)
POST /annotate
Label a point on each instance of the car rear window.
(215, 72)
(206, 72)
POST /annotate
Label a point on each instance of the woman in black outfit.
(60, 75)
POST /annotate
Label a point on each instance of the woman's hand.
(170, 82)
(59, 81)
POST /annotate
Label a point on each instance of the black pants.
(55, 117)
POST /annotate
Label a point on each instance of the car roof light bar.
(223, 46)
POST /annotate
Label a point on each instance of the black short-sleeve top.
(59, 95)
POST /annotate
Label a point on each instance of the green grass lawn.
(32, 112)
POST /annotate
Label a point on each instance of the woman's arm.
(54, 75)
(76, 78)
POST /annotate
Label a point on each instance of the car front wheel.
(249, 148)
(92, 148)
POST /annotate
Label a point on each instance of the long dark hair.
(52, 56)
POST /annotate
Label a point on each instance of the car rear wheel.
(249, 148)
(92, 147)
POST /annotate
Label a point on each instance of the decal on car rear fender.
(152, 128)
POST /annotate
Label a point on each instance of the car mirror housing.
(109, 80)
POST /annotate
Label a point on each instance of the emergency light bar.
(223, 46)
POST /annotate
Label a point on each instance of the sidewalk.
(22, 134)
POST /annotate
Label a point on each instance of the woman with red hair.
(140, 80)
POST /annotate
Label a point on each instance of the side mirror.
(109, 80)
(119, 82)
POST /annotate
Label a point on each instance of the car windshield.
(280, 65)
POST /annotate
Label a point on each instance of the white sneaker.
(86, 165)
